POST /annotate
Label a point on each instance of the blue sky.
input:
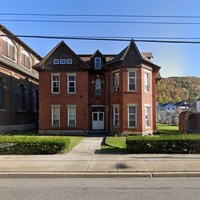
(174, 59)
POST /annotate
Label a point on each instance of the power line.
(86, 15)
(120, 39)
(100, 22)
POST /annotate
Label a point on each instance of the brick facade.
(19, 89)
(114, 94)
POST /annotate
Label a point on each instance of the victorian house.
(19, 94)
(84, 94)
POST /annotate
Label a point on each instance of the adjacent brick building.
(19, 94)
(83, 94)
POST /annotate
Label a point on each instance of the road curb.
(74, 175)
(175, 174)
(99, 175)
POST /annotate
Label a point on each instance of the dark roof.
(39, 65)
(165, 104)
(182, 102)
(144, 57)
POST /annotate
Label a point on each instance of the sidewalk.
(85, 160)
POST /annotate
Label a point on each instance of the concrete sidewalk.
(85, 160)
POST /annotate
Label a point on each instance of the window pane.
(94, 116)
(71, 90)
(132, 123)
(56, 116)
(71, 84)
(55, 78)
(131, 74)
(132, 80)
(5, 48)
(132, 117)
(131, 109)
(71, 116)
(98, 86)
(131, 87)
(71, 78)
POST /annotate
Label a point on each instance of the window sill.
(21, 111)
(1, 109)
(148, 92)
(13, 60)
(131, 91)
(55, 126)
(132, 127)
(71, 126)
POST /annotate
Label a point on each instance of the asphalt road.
(96, 189)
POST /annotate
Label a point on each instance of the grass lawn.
(74, 140)
(118, 144)
(167, 129)
(114, 145)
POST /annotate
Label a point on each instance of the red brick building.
(83, 94)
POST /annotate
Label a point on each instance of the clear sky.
(174, 59)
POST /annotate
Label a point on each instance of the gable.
(132, 57)
(62, 58)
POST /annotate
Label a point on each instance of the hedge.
(32, 145)
(182, 144)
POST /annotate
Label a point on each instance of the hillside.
(176, 89)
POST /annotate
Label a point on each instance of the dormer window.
(97, 63)
(8, 48)
(25, 59)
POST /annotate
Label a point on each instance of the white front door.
(97, 120)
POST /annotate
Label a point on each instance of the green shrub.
(32, 145)
(163, 144)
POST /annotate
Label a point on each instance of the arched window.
(8, 48)
(2, 94)
(36, 100)
(21, 98)
(98, 86)
(25, 59)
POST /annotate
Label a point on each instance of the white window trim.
(55, 61)
(8, 40)
(55, 74)
(96, 93)
(68, 107)
(149, 115)
(115, 84)
(53, 106)
(71, 74)
(69, 61)
(149, 81)
(97, 58)
(132, 105)
(116, 106)
(62, 61)
(132, 70)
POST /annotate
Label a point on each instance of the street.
(112, 189)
